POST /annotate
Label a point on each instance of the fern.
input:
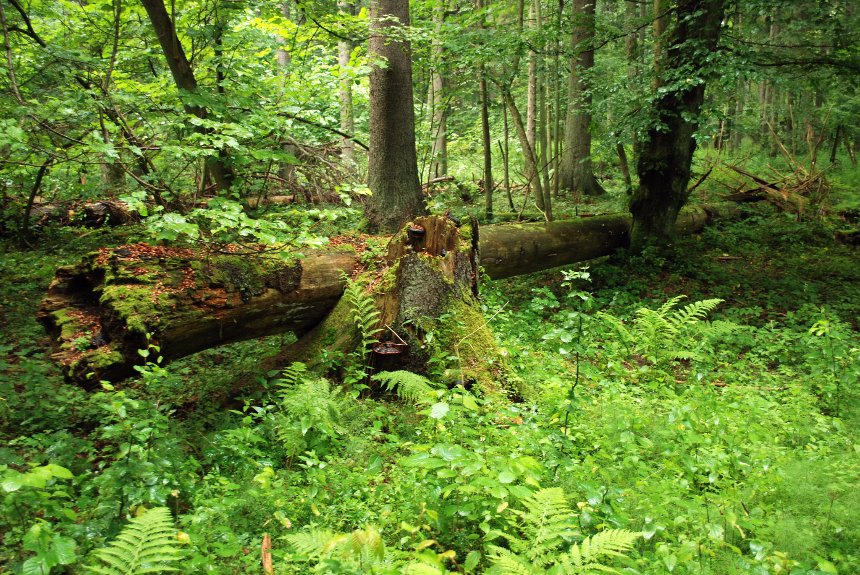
(293, 374)
(546, 527)
(656, 334)
(309, 414)
(364, 546)
(146, 545)
(585, 557)
(409, 386)
(364, 314)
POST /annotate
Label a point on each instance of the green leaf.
(472, 560)
(424, 460)
(439, 410)
(470, 403)
(506, 477)
(65, 549)
(59, 471)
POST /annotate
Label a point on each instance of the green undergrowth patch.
(692, 411)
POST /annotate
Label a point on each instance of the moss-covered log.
(100, 312)
(116, 301)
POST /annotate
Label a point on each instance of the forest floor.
(725, 434)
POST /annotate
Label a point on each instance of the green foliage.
(750, 465)
(657, 335)
(542, 543)
(408, 385)
(364, 315)
(146, 545)
(365, 318)
(309, 412)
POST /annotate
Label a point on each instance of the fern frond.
(365, 315)
(409, 386)
(669, 305)
(293, 374)
(505, 562)
(146, 545)
(314, 543)
(618, 326)
(548, 520)
(693, 312)
(586, 557)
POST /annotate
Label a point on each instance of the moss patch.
(462, 333)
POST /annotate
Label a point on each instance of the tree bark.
(487, 143)
(183, 76)
(576, 172)
(344, 92)
(100, 312)
(665, 161)
(438, 106)
(392, 162)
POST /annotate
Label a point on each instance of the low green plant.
(148, 544)
(408, 386)
(542, 541)
(657, 335)
(308, 415)
(364, 551)
(841, 372)
(34, 503)
(365, 318)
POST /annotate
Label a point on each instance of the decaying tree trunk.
(100, 312)
(117, 301)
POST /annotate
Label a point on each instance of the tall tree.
(667, 152)
(484, 95)
(392, 170)
(344, 91)
(183, 76)
(576, 172)
(438, 106)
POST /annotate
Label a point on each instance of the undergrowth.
(662, 435)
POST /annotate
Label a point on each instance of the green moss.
(463, 332)
(240, 274)
(389, 278)
(251, 275)
(102, 359)
(67, 324)
(134, 305)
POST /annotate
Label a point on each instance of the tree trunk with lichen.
(117, 301)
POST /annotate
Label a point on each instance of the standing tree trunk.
(183, 76)
(438, 107)
(392, 162)
(531, 162)
(344, 92)
(667, 154)
(485, 133)
(575, 170)
(543, 131)
(287, 170)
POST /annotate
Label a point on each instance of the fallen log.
(511, 249)
(100, 312)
